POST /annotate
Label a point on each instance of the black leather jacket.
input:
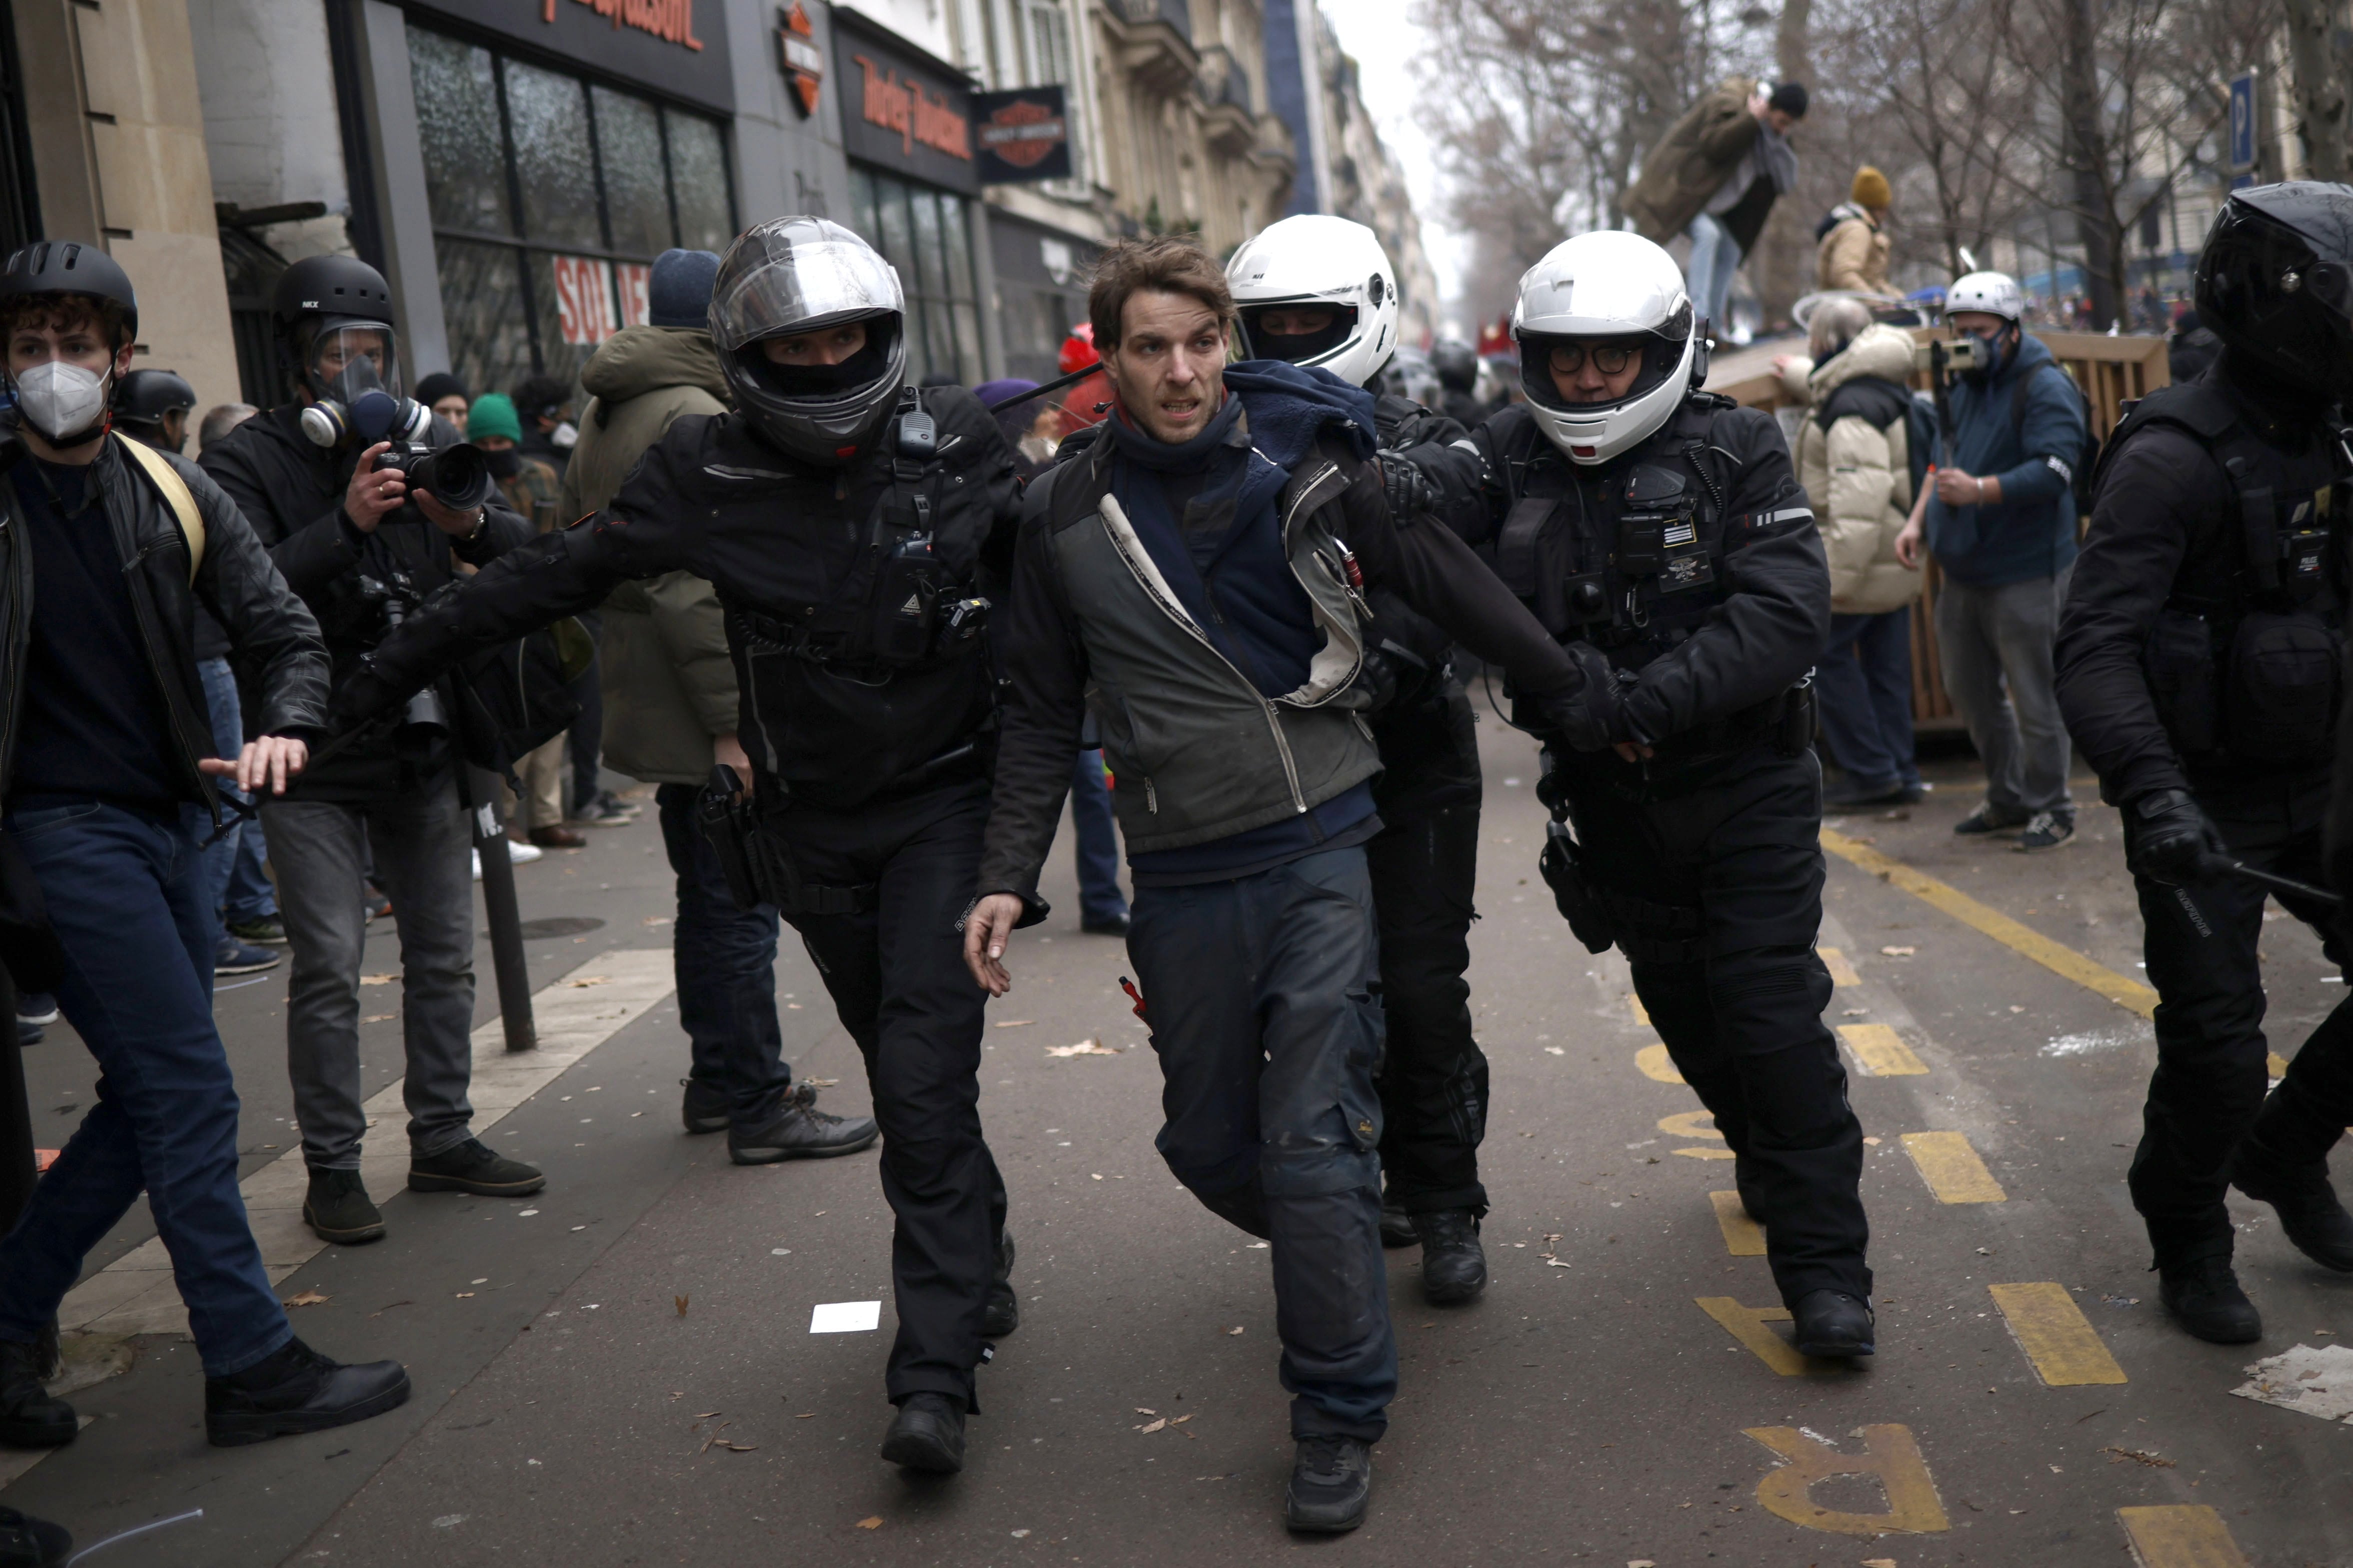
(273, 639)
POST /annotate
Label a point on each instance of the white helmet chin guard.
(1607, 285)
(1995, 293)
(1314, 260)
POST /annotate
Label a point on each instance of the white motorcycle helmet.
(1311, 261)
(1605, 285)
(1995, 293)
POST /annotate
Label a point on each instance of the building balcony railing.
(1155, 43)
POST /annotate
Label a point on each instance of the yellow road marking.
(1842, 972)
(2059, 960)
(1747, 1324)
(1951, 1168)
(2275, 1065)
(1656, 1065)
(1690, 1124)
(1706, 1154)
(1742, 1237)
(1888, 1453)
(1880, 1051)
(2179, 1536)
(1641, 1014)
(2056, 1337)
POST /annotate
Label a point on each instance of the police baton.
(1060, 382)
(2279, 884)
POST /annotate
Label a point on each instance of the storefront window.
(926, 234)
(604, 180)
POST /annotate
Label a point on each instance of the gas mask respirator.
(63, 402)
(356, 407)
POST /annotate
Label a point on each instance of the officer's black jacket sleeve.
(1043, 668)
(1772, 629)
(535, 584)
(2158, 486)
(1461, 468)
(1436, 573)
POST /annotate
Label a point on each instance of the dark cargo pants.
(1258, 993)
(1434, 1080)
(898, 980)
(1717, 893)
(2208, 1092)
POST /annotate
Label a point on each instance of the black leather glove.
(1377, 683)
(1590, 716)
(1410, 492)
(2172, 840)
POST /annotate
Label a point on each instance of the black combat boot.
(1397, 1226)
(295, 1389)
(1004, 1311)
(1331, 1482)
(798, 1130)
(927, 1435)
(2306, 1205)
(1453, 1269)
(337, 1208)
(30, 1418)
(1833, 1325)
(2203, 1295)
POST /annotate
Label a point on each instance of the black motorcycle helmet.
(66, 267)
(1457, 364)
(2275, 283)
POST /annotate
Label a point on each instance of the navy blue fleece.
(2031, 533)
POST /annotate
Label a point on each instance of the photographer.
(361, 545)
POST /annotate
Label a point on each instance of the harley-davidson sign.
(798, 57)
(1023, 134)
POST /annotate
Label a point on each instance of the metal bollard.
(498, 902)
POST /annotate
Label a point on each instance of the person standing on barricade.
(855, 529)
(2199, 668)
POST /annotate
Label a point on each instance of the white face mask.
(61, 400)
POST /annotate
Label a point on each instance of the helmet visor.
(1552, 366)
(795, 289)
(347, 358)
(1301, 331)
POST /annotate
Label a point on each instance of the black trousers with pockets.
(1718, 896)
(898, 980)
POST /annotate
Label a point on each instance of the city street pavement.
(620, 1370)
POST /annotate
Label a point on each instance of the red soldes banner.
(584, 300)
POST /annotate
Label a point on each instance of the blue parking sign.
(2242, 122)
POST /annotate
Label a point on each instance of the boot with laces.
(1331, 1484)
(797, 1130)
(1453, 1266)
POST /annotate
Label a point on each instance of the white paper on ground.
(2310, 1380)
(845, 1317)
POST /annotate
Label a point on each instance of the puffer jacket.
(274, 639)
(668, 681)
(1692, 162)
(1853, 254)
(1854, 459)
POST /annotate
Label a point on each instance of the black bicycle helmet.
(61, 267)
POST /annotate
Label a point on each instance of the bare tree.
(2318, 82)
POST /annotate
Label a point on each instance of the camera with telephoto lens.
(1950, 356)
(424, 721)
(458, 477)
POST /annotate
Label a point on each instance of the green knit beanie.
(493, 414)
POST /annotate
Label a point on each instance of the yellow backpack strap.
(176, 495)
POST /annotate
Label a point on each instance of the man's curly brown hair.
(1170, 263)
(59, 312)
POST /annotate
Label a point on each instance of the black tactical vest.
(2244, 666)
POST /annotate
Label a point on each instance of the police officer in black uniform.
(1320, 291)
(1659, 532)
(1457, 367)
(854, 528)
(2198, 660)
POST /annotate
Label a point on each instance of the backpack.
(2085, 469)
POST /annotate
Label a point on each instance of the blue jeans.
(1259, 991)
(126, 893)
(1097, 850)
(1864, 678)
(234, 883)
(726, 961)
(1714, 258)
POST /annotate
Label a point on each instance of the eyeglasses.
(1609, 358)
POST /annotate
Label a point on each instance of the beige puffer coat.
(1853, 254)
(1857, 469)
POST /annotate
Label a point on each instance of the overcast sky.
(1386, 45)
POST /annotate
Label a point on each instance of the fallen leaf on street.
(378, 979)
(682, 1305)
(1879, 1562)
(1152, 1427)
(706, 1415)
(741, 1448)
(1232, 1331)
(871, 1521)
(820, 1082)
(2118, 1456)
(1180, 1421)
(307, 1299)
(806, 1416)
(1015, 1023)
(1089, 1046)
(590, 980)
(379, 1018)
(1555, 1263)
(1140, 1410)
(465, 1295)
(1899, 951)
(657, 919)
